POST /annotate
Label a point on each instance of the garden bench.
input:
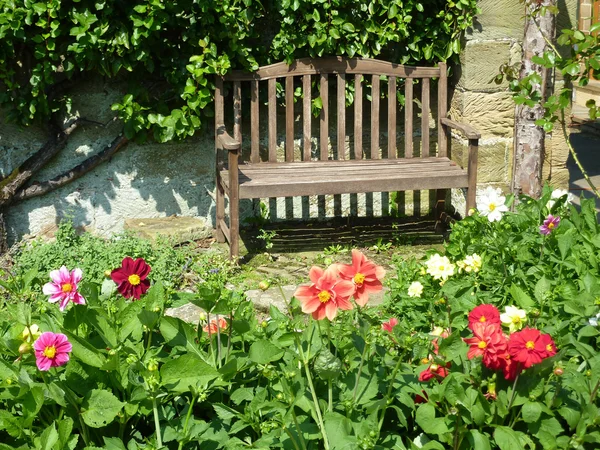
(330, 168)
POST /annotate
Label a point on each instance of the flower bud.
(558, 371)
(263, 285)
(471, 212)
(588, 373)
(107, 273)
(202, 316)
(24, 348)
(152, 365)
(264, 324)
(156, 309)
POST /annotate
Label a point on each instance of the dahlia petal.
(55, 276)
(141, 268)
(373, 286)
(319, 314)
(304, 293)
(51, 289)
(361, 297)
(43, 363)
(144, 286)
(119, 275)
(60, 360)
(315, 274)
(358, 259)
(76, 275)
(328, 280)
(64, 274)
(78, 299)
(344, 303)
(63, 303)
(311, 305)
(331, 310)
(127, 264)
(344, 288)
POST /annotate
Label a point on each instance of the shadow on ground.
(587, 148)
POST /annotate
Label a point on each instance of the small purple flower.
(549, 224)
(213, 271)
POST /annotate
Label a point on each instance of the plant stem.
(218, 343)
(317, 407)
(359, 373)
(389, 392)
(594, 392)
(187, 419)
(156, 423)
(514, 391)
(298, 429)
(291, 437)
(330, 396)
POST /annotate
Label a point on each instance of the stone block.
(178, 229)
(498, 19)
(480, 62)
(493, 159)
(492, 114)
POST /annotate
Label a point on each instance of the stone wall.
(152, 180)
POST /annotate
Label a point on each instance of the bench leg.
(220, 213)
(440, 209)
(472, 170)
(234, 227)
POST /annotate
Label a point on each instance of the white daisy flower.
(491, 204)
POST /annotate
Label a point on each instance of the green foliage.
(95, 255)
(165, 53)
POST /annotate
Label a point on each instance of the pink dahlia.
(51, 350)
(131, 277)
(63, 287)
(325, 295)
(389, 325)
(549, 224)
(365, 275)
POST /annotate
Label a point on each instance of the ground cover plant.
(491, 343)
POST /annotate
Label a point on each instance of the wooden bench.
(332, 171)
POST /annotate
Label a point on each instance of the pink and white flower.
(549, 224)
(63, 287)
(51, 350)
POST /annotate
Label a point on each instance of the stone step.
(584, 93)
(179, 229)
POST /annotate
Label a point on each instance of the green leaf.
(188, 370)
(100, 407)
(85, 352)
(263, 352)
(531, 411)
(327, 365)
(520, 297)
(49, 437)
(453, 346)
(426, 419)
(348, 27)
(507, 439)
(478, 440)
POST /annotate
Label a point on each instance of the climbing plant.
(163, 55)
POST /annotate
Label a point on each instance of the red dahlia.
(549, 344)
(510, 368)
(527, 347)
(484, 314)
(434, 371)
(131, 277)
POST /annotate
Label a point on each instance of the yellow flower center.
(549, 348)
(324, 296)
(530, 345)
(359, 278)
(482, 344)
(442, 268)
(424, 361)
(516, 320)
(482, 319)
(551, 225)
(134, 279)
(492, 206)
(50, 352)
(67, 287)
(434, 367)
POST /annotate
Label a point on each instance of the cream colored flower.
(415, 289)
(513, 317)
(491, 204)
(558, 193)
(439, 267)
(473, 263)
(31, 333)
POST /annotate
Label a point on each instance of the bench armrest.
(467, 130)
(226, 141)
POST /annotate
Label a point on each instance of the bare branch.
(22, 174)
(40, 188)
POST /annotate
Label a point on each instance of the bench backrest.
(346, 70)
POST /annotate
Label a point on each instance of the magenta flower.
(549, 224)
(51, 350)
(63, 287)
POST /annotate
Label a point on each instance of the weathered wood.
(342, 174)
(272, 93)
(289, 119)
(335, 65)
(467, 130)
(254, 123)
(408, 118)
(375, 117)
(324, 122)
(391, 118)
(425, 117)
(341, 116)
(442, 110)
(358, 117)
(306, 117)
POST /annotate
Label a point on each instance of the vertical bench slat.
(219, 111)
(358, 116)
(408, 118)
(237, 111)
(254, 123)
(220, 194)
(324, 131)
(272, 120)
(425, 118)
(306, 117)
(341, 116)
(375, 117)
(289, 118)
(392, 117)
(442, 110)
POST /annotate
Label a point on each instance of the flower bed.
(492, 344)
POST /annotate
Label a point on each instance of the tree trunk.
(530, 138)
